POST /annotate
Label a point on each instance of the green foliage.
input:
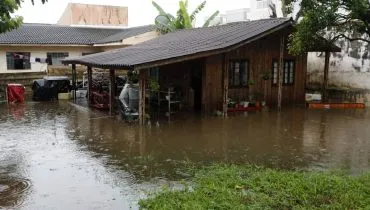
(332, 19)
(208, 21)
(182, 20)
(153, 85)
(266, 75)
(133, 77)
(251, 187)
(7, 8)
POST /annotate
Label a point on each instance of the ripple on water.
(13, 191)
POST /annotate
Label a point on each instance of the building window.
(238, 74)
(18, 60)
(288, 72)
(55, 58)
(275, 72)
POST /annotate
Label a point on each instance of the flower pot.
(258, 104)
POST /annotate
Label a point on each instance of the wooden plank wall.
(260, 55)
(212, 84)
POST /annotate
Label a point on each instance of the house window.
(238, 74)
(55, 58)
(18, 60)
(288, 72)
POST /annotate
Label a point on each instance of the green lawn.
(247, 187)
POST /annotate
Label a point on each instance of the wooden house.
(210, 65)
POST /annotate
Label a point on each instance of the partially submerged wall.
(349, 72)
(344, 71)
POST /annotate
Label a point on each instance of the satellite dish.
(162, 20)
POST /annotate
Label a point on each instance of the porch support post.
(142, 89)
(89, 87)
(112, 91)
(281, 68)
(74, 78)
(326, 77)
(225, 88)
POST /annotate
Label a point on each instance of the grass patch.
(250, 187)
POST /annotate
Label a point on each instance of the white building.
(77, 33)
(259, 9)
(37, 47)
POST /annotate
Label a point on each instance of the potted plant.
(259, 99)
(266, 75)
(251, 83)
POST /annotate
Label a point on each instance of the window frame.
(50, 58)
(231, 61)
(286, 62)
(21, 53)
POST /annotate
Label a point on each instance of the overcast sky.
(141, 12)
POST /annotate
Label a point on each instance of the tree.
(332, 19)
(166, 22)
(7, 8)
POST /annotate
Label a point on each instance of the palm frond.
(161, 11)
(213, 16)
(184, 15)
(33, 1)
(272, 8)
(199, 8)
(159, 8)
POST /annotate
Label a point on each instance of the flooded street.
(61, 156)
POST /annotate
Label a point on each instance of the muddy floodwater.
(61, 156)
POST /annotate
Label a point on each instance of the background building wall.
(88, 14)
(348, 69)
(38, 52)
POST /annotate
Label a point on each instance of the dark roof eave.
(213, 52)
(184, 57)
(95, 65)
(333, 48)
(323, 45)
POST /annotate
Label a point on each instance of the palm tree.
(166, 22)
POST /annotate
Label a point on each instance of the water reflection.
(53, 152)
(295, 138)
(13, 185)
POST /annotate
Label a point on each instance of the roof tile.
(68, 35)
(181, 43)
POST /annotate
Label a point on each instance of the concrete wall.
(349, 72)
(345, 71)
(40, 52)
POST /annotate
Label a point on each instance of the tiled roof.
(67, 35)
(126, 34)
(182, 43)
